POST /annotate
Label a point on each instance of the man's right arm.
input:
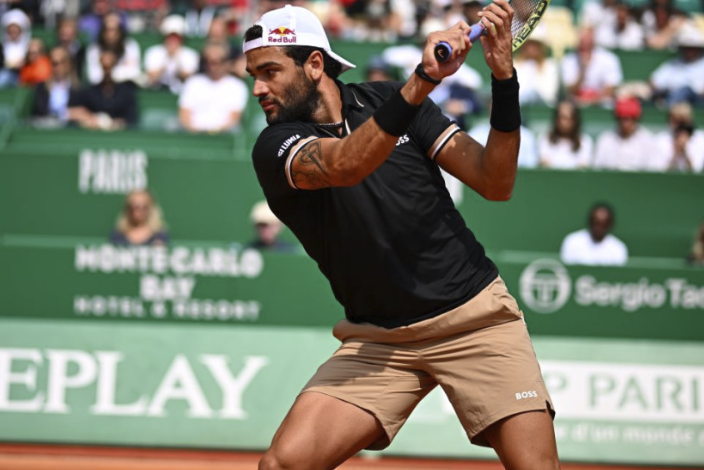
(329, 162)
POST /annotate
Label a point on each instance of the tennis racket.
(526, 15)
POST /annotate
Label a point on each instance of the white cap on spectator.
(540, 34)
(17, 17)
(690, 36)
(293, 26)
(173, 24)
(261, 214)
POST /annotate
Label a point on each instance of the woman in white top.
(565, 146)
(113, 36)
(540, 76)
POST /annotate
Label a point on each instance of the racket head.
(526, 16)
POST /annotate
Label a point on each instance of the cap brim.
(346, 64)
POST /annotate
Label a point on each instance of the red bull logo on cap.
(282, 35)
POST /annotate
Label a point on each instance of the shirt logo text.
(288, 143)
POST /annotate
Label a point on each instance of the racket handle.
(443, 50)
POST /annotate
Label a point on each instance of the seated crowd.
(90, 74)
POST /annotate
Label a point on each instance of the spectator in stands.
(37, 66)
(591, 73)
(696, 257)
(51, 11)
(470, 11)
(219, 34)
(544, 77)
(140, 222)
(630, 147)
(661, 22)
(91, 23)
(378, 70)
(51, 98)
(109, 105)
(404, 14)
(566, 147)
(15, 43)
(682, 78)
(67, 37)
(214, 101)
(456, 95)
(371, 20)
(143, 15)
(681, 146)
(198, 16)
(599, 15)
(625, 32)
(168, 65)
(595, 246)
(268, 228)
(114, 37)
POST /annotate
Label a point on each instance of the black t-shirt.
(394, 248)
(120, 103)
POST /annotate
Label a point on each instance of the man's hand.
(498, 50)
(458, 38)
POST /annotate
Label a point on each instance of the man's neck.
(330, 109)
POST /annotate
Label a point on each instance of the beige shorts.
(480, 354)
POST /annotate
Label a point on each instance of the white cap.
(261, 214)
(293, 26)
(173, 24)
(690, 36)
(17, 17)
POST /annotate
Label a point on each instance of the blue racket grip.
(443, 50)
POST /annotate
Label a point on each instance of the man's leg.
(525, 441)
(319, 433)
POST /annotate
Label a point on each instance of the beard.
(300, 101)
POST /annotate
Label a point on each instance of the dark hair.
(575, 135)
(300, 54)
(602, 205)
(684, 127)
(119, 48)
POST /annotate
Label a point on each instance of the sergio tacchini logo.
(545, 285)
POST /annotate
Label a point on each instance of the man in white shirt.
(214, 101)
(630, 147)
(591, 73)
(595, 246)
(171, 63)
(682, 78)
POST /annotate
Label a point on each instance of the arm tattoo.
(310, 168)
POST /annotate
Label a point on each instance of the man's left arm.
(491, 170)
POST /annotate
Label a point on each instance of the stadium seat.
(561, 32)
(158, 110)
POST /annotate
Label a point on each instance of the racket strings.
(522, 12)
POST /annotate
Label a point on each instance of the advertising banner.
(211, 387)
(73, 182)
(231, 284)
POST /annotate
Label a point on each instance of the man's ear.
(315, 65)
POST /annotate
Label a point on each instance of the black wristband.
(395, 115)
(420, 71)
(505, 110)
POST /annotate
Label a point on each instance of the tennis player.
(354, 171)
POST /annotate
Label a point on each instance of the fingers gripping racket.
(526, 15)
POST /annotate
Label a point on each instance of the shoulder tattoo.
(310, 172)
